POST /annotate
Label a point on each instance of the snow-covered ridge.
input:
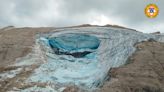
(116, 45)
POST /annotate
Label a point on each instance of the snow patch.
(40, 89)
(9, 74)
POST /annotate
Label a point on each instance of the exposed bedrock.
(143, 73)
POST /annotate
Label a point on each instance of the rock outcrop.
(143, 73)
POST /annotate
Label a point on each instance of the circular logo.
(151, 10)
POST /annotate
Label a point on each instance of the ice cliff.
(77, 45)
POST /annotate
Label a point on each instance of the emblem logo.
(151, 10)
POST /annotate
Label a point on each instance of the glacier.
(70, 42)
(77, 45)
(108, 47)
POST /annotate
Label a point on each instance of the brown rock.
(145, 73)
(71, 89)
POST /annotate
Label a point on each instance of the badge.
(151, 11)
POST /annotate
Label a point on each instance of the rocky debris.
(83, 25)
(17, 42)
(7, 28)
(71, 89)
(11, 82)
(144, 73)
(117, 26)
(157, 32)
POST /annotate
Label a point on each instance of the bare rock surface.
(144, 73)
(17, 42)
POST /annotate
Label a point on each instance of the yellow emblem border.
(148, 14)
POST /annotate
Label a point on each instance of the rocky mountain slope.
(124, 61)
(143, 73)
